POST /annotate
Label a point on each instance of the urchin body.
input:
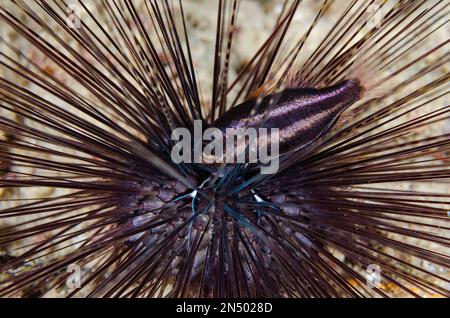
(139, 225)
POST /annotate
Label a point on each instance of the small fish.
(301, 114)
